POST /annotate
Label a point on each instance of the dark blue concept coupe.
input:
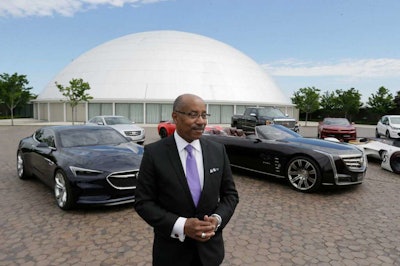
(82, 164)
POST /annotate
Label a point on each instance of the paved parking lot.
(273, 225)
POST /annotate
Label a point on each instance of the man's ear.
(174, 117)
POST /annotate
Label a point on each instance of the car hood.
(126, 127)
(395, 125)
(280, 118)
(109, 158)
(323, 145)
(349, 127)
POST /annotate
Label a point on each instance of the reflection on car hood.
(323, 145)
(348, 127)
(109, 158)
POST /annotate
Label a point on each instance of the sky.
(326, 44)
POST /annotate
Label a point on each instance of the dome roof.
(160, 65)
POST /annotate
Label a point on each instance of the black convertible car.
(306, 163)
(83, 164)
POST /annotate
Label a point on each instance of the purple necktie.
(192, 175)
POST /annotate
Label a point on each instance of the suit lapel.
(206, 164)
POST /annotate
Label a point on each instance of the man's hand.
(200, 230)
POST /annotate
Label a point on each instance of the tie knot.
(189, 148)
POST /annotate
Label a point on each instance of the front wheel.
(377, 135)
(21, 168)
(303, 174)
(387, 135)
(163, 133)
(63, 192)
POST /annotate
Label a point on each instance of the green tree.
(348, 101)
(14, 91)
(329, 103)
(306, 100)
(382, 102)
(396, 101)
(75, 94)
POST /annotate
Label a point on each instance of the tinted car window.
(275, 132)
(45, 136)
(90, 138)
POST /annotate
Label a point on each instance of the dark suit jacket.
(163, 195)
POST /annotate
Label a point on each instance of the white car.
(384, 150)
(388, 126)
(122, 124)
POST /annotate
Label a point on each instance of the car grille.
(288, 124)
(132, 133)
(123, 180)
(354, 162)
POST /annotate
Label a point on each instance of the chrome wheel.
(303, 174)
(62, 191)
(21, 167)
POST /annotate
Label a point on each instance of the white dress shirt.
(178, 229)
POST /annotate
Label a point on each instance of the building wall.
(57, 112)
(43, 111)
(142, 113)
(79, 113)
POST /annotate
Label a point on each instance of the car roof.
(76, 127)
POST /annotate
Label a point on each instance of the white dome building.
(140, 75)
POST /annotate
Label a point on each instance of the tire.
(63, 192)
(303, 174)
(387, 135)
(377, 134)
(395, 162)
(21, 168)
(163, 133)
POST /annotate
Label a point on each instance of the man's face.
(190, 128)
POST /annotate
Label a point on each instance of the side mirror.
(42, 145)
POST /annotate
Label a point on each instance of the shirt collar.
(181, 143)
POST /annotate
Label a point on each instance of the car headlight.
(79, 171)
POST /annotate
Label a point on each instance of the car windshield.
(336, 121)
(270, 111)
(75, 138)
(117, 120)
(395, 120)
(275, 132)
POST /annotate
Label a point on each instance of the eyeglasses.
(194, 115)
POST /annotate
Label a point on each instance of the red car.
(339, 128)
(167, 128)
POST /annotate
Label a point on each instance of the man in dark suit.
(187, 230)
